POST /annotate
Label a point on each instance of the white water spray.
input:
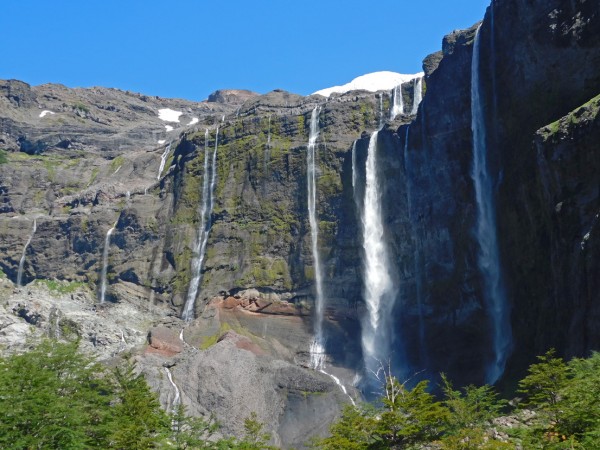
(177, 399)
(163, 160)
(487, 235)
(397, 102)
(417, 94)
(378, 284)
(208, 186)
(105, 263)
(22, 260)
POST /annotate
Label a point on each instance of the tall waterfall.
(22, 260)
(208, 187)
(317, 347)
(487, 236)
(378, 285)
(163, 160)
(397, 102)
(105, 263)
(417, 94)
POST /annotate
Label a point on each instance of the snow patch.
(161, 142)
(169, 128)
(45, 113)
(169, 115)
(194, 121)
(372, 82)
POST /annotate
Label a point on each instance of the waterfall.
(354, 174)
(163, 160)
(22, 260)
(487, 236)
(208, 185)
(381, 119)
(378, 293)
(417, 94)
(317, 347)
(177, 399)
(397, 102)
(267, 156)
(105, 263)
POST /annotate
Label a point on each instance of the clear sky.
(189, 48)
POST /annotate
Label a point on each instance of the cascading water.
(105, 263)
(378, 285)
(177, 398)
(22, 260)
(163, 160)
(397, 102)
(317, 347)
(487, 236)
(208, 186)
(417, 94)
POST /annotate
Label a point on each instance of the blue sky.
(189, 48)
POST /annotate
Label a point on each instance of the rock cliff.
(82, 161)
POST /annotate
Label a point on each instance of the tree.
(471, 406)
(544, 382)
(580, 402)
(138, 421)
(471, 410)
(406, 417)
(352, 431)
(53, 397)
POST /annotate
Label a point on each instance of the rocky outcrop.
(233, 96)
(234, 378)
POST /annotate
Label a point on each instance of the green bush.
(56, 398)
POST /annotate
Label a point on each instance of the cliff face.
(544, 70)
(540, 81)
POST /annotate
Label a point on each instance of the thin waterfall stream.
(177, 397)
(22, 260)
(317, 352)
(417, 94)
(397, 102)
(486, 232)
(317, 347)
(208, 187)
(105, 263)
(163, 160)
